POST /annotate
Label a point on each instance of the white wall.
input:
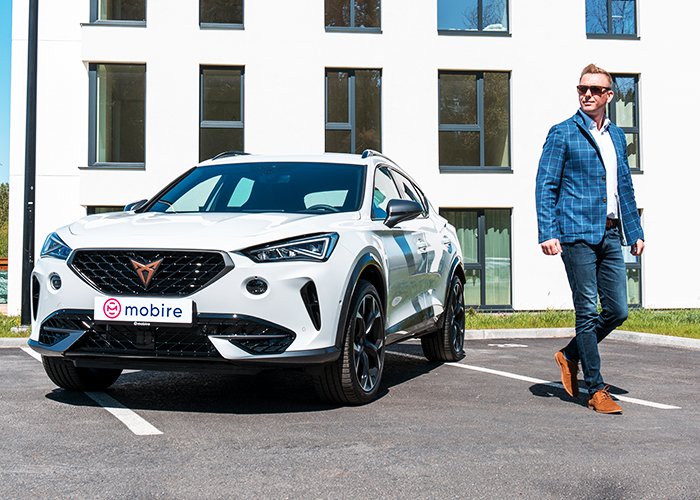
(285, 51)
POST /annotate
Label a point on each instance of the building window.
(489, 17)
(353, 110)
(221, 13)
(623, 111)
(633, 268)
(117, 114)
(118, 11)
(92, 210)
(611, 18)
(349, 15)
(474, 131)
(221, 110)
(484, 235)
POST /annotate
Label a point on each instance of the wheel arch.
(369, 268)
(456, 269)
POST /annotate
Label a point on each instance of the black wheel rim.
(368, 343)
(457, 319)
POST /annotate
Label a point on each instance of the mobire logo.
(112, 308)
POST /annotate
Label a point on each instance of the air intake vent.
(310, 297)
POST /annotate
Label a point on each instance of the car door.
(428, 290)
(408, 256)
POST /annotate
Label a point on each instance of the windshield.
(295, 187)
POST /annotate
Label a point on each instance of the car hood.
(216, 231)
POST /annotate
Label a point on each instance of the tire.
(447, 343)
(354, 378)
(64, 374)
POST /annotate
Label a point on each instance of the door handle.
(447, 242)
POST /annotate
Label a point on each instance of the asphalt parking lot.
(491, 426)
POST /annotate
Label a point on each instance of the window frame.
(222, 26)
(94, 13)
(609, 34)
(612, 114)
(481, 256)
(480, 31)
(351, 124)
(218, 124)
(478, 127)
(92, 120)
(632, 263)
(352, 28)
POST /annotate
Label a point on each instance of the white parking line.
(133, 422)
(533, 380)
(32, 353)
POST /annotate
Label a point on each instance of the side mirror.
(401, 210)
(135, 205)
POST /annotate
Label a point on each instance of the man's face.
(592, 103)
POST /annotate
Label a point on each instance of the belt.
(611, 223)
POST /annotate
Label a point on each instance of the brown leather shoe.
(569, 373)
(603, 403)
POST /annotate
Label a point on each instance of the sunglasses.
(595, 89)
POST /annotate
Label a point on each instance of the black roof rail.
(371, 152)
(226, 154)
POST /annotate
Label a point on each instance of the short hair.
(592, 68)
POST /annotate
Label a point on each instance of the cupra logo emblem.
(146, 271)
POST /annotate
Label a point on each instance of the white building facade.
(460, 93)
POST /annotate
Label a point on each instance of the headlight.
(314, 248)
(54, 247)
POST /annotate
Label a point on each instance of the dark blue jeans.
(595, 271)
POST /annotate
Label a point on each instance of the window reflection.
(473, 15)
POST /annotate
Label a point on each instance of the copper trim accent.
(145, 272)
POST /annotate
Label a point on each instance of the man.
(586, 211)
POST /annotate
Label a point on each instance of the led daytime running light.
(317, 248)
(55, 247)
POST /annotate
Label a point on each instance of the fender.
(363, 263)
(455, 268)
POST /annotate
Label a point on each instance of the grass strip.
(676, 322)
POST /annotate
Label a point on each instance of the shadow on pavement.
(550, 391)
(267, 392)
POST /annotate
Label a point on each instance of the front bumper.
(207, 344)
(294, 322)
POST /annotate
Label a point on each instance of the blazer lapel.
(579, 121)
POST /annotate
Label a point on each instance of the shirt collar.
(592, 125)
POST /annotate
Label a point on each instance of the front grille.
(179, 273)
(254, 336)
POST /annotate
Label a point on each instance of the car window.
(384, 190)
(241, 193)
(194, 198)
(409, 191)
(267, 187)
(326, 198)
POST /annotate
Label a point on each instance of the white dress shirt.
(607, 150)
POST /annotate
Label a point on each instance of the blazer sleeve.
(548, 183)
(631, 224)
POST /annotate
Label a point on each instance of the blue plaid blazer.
(571, 189)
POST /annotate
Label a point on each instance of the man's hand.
(638, 248)
(553, 247)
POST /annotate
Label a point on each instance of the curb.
(13, 342)
(542, 333)
(521, 333)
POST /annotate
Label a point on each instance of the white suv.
(250, 262)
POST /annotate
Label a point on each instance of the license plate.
(143, 311)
